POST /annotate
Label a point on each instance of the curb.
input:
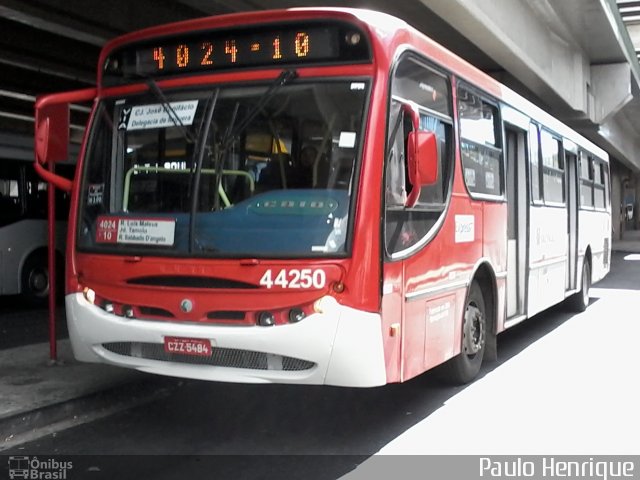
(29, 426)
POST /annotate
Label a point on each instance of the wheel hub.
(39, 282)
(473, 331)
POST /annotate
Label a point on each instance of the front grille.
(188, 281)
(221, 357)
(155, 312)
(226, 315)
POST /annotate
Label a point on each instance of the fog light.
(108, 307)
(128, 311)
(295, 315)
(90, 295)
(352, 38)
(266, 319)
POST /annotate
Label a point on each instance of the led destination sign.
(207, 51)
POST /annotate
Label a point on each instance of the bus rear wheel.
(465, 367)
(35, 279)
(578, 302)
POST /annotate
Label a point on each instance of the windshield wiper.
(197, 172)
(221, 154)
(285, 77)
(173, 116)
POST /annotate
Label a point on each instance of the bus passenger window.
(599, 182)
(10, 192)
(586, 180)
(480, 144)
(552, 168)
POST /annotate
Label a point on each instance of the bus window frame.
(21, 211)
(604, 169)
(498, 128)
(542, 168)
(408, 54)
(134, 89)
(590, 181)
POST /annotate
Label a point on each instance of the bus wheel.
(464, 367)
(579, 301)
(35, 279)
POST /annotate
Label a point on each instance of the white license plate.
(188, 346)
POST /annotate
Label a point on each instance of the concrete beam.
(574, 55)
(16, 146)
(634, 34)
(621, 32)
(209, 7)
(49, 21)
(622, 141)
(37, 64)
(611, 87)
(529, 41)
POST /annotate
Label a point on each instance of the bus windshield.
(233, 171)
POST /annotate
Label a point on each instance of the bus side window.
(10, 192)
(480, 145)
(429, 92)
(586, 180)
(553, 186)
(599, 183)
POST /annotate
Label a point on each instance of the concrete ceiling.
(630, 14)
(53, 45)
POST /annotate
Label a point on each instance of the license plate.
(187, 346)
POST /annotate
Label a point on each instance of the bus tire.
(35, 278)
(578, 302)
(465, 366)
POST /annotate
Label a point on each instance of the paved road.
(564, 383)
(25, 324)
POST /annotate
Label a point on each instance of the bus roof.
(387, 34)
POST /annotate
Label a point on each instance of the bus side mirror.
(52, 133)
(422, 157)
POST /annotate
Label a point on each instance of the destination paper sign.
(142, 117)
(137, 231)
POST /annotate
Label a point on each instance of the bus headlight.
(296, 315)
(89, 295)
(266, 319)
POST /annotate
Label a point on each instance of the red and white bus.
(316, 196)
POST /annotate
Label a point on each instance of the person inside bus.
(276, 174)
(307, 159)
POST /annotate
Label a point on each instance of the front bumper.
(341, 346)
